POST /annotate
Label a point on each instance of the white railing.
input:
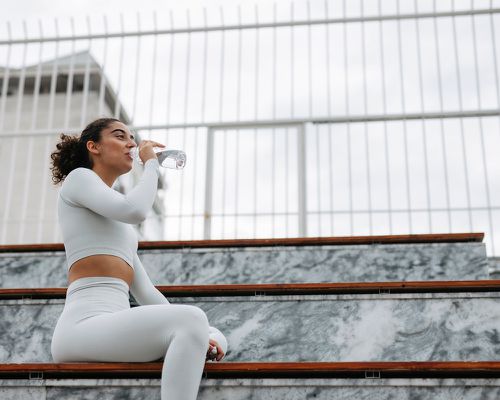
(339, 118)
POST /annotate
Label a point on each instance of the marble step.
(256, 389)
(359, 327)
(416, 258)
(257, 381)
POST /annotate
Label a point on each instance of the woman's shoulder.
(78, 176)
(80, 171)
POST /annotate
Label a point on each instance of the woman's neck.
(108, 177)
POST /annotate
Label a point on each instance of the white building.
(37, 109)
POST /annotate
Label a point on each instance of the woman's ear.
(92, 147)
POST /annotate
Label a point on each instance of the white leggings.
(98, 324)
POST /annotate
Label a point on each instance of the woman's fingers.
(215, 355)
(152, 144)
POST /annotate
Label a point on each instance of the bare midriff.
(101, 265)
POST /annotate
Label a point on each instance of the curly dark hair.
(72, 151)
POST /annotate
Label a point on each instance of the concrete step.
(452, 380)
(306, 260)
(357, 327)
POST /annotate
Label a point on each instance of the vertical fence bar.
(153, 72)
(6, 77)
(184, 132)
(460, 103)
(481, 135)
(86, 79)
(29, 157)
(120, 70)
(102, 82)
(22, 79)
(309, 87)
(495, 60)
(19, 104)
(287, 197)
(348, 125)
(256, 114)
(318, 177)
(237, 133)
(424, 130)
(223, 132)
(497, 86)
(153, 81)
(309, 62)
(202, 107)
(168, 108)
(273, 131)
(405, 132)
(207, 230)
(365, 125)
(384, 110)
(170, 68)
(69, 95)
(330, 114)
(194, 197)
(137, 66)
(292, 93)
(153, 86)
(71, 73)
(441, 124)
(204, 72)
(3, 102)
(301, 173)
(43, 197)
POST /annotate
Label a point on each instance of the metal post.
(301, 174)
(208, 185)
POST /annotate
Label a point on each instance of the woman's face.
(114, 147)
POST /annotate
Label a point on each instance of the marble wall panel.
(363, 263)
(257, 389)
(412, 327)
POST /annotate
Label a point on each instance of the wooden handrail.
(308, 241)
(278, 289)
(391, 369)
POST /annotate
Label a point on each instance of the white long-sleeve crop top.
(96, 219)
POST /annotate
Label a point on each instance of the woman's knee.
(193, 320)
(195, 317)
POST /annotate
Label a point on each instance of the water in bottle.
(175, 159)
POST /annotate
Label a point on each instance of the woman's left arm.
(143, 289)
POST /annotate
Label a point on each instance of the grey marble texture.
(257, 389)
(363, 263)
(411, 327)
(494, 267)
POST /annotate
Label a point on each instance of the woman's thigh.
(138, 334)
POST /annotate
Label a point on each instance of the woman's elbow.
(136, 216)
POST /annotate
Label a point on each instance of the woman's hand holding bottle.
(145, 150)
(167, 158)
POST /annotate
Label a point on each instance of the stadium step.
(306, 260)
(106, 381)
(405, 321)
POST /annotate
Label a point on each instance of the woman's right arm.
(84, 188)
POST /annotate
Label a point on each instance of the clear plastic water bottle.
(175, 159)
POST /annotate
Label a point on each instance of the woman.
(97, 323)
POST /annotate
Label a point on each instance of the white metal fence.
(300, 119)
